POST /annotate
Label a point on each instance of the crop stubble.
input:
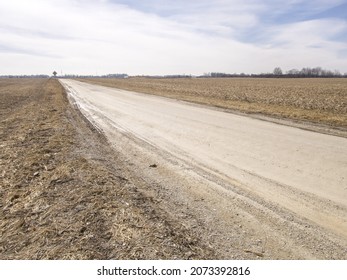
(64, 194)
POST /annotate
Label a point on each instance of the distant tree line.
(175, 76)
(117, 76)
(278, 73)
(120, 76)
(314, 72)
(307, 72)
(25, 76)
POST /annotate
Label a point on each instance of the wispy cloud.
(166, 37)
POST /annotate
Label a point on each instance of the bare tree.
(277, 71)
(55, 73)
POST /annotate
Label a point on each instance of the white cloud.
(310, 33)
(86, 37)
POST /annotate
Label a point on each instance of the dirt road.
(283, 187)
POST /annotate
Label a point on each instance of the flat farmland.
(164, 179)
(65, 194)
(315, 100)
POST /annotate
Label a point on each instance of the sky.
(162, 37)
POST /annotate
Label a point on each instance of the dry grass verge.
(322, 101)
(62, 192)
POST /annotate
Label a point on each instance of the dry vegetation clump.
(62, 194)
(318, 100)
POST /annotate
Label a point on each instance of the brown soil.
(63, 192)
(321, 100)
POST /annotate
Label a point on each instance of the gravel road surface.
(229, 160)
